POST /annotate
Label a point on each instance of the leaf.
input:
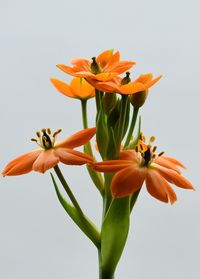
(114, 234)
(81, 220)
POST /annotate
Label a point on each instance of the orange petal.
(22, 164)
(81, 64)
(128, 155)
(131, 88)
(152, 82)
(122, 66)
(127, 181)
(63, 87)
(72, 157)
(156, 186)
(174, 161)
(84, 74)
(171, 194)
(144, 78)
(45, 161)
(174, 177)
(167, 164)
(104, 57)
(82, 89)
(114, 60)
(105, 76)
(66, 69)
(112, 166)
(77, 139)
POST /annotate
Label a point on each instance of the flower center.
(94, 67)
(147, 151)
(46, 140)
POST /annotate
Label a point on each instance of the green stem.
(103, 274)
(132, 126)
(67, 189)
(133, 199)
(95, 176)
(122, 118)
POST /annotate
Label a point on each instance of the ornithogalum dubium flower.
(78, 88)
(102, 68)
(127, 161)
(51, 152)
(135, 167)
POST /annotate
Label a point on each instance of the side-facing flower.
(102, 68)
(51, 153)
(136, 166)
(142, 83)
(78, 88)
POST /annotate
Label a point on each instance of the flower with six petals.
(51, 153)
(135, 167)
(142, 83)
(101, 68)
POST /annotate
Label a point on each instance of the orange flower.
(135, 167)
(51, 153)
(78, 88)
(142, 83)
(102, 68)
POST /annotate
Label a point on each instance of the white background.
(37, 239)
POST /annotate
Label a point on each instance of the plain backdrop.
(37, 239)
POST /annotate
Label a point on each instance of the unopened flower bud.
(138, 99)
(109, 101)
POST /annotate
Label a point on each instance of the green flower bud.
(138, 99)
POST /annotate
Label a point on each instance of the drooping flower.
(102, 68)
(78, 88)
(51, 153)
(135, 167)
(142, 83)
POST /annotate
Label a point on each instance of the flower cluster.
(127, 160)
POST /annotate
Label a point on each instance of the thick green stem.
(132, 126)
(67, 189)
(102, 273)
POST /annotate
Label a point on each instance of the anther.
(154, 148)
(34, 140)
(161, 153)
(38, 134)
(57, 132)
(141, 147)
(136, 148)
(49, 131)
(154, 156)
(43, 130)
(152, 139)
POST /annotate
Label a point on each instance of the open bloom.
(51, 153)
(78, 88)
(102, 68)
(134, 167)
(142, 83)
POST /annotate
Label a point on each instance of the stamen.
(154, 148)
(161, 153)
(34, 140)
(38, 134)
(141, 147)
(49, 131)
(57, 132)
(136, 148)
(154, 156)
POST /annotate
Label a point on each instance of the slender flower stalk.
(132, 126)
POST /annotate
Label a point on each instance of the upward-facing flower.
(51, 153)
(142, 83)
(102, 68)
(136, 166)
(78, 88)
